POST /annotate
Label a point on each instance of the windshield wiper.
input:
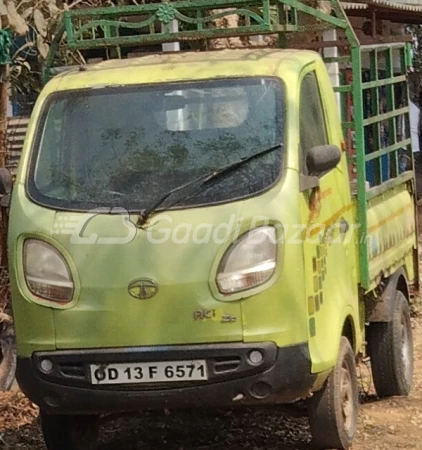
(217, 173)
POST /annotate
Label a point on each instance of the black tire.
(7, 357)
(390, 346)
(333, 411)
(70, 432)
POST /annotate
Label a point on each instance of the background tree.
(416, 76)
(33, 23)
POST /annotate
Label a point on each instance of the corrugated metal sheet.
(16, 131)
(409, 2)
(401, 6)
(354, 6)
(397, 6)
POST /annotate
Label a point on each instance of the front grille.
(224, 362)
(79, 372)
(75, 371)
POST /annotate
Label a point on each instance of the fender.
(381, 309)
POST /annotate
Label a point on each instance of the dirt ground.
(384, 425)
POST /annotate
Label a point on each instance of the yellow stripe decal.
(333, 219)
(390, 217)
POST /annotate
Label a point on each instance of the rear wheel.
(390, 347)
(333, 411)
(70, 432)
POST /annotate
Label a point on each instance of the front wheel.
(390, 347)
(70, 432)
(333, 411)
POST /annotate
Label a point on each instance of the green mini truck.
(214, 228)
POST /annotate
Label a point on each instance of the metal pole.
(4, 102)
(333, 69)
(172, 27)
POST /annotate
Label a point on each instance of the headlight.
(249, 262)
(46, 272)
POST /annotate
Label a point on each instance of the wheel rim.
(347, 398)
(406, 349)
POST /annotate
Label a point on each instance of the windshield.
(127, 146)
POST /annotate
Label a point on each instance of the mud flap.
(381, 309)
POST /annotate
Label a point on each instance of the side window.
(313, 129)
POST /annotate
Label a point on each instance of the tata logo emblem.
(143, 288)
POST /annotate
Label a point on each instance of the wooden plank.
(15, 138)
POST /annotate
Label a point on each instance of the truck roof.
(178, 66)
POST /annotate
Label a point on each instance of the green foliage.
(36, 21)
(5, 44)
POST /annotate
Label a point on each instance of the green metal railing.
(377, 72)
(135, 26)
(386, 114)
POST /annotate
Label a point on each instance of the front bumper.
(283, 376)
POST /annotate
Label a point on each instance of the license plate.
(151, 372)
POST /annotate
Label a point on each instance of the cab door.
(326, 216)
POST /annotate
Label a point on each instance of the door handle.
(344, 226)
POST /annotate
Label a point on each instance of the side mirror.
(321, 159)
(6, 181)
